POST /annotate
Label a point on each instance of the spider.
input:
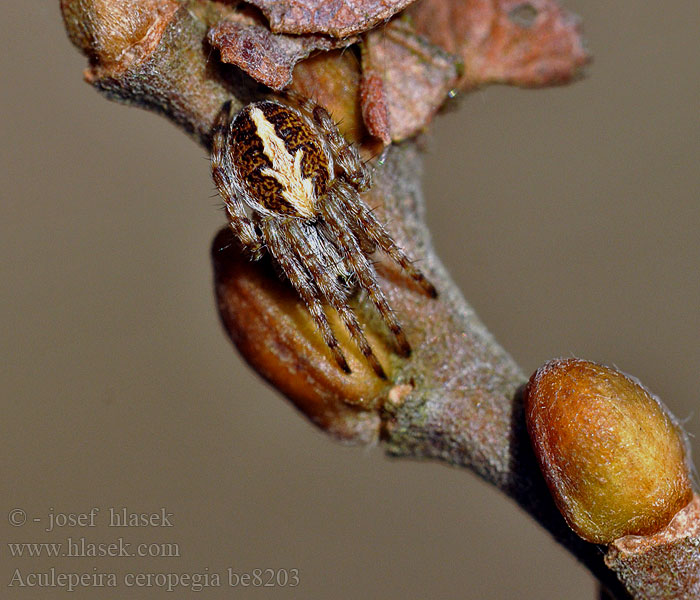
(289, 168)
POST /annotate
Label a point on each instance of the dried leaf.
(528, 43)
(339, 18)
(406, 78)
(267, 57)
(375, 112)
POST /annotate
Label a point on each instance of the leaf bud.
(614, 458)
(115, 34)
(274, 332)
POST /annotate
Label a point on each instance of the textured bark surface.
(458, 397)
(663, 565)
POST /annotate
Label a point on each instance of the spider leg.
(305, 287)
(222, 173)
(364, 271)
(336, 297)
(374, 229)
(345, 154)
(367, 244)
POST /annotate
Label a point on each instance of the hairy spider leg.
(222, 168)
(367, 244)
(333, 293)
(337, 222)
(378, 234)
(302, 282)
(346, 155)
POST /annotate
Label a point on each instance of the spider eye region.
(280, 159)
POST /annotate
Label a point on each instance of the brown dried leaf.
(520, 42)
(339, 18)
(374, 109)
(405, 77)
(267, 57)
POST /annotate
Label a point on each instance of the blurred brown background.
(568, 216)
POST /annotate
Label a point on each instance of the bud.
(614, 458)
(332, 79)
(115, 34)
(273, 330)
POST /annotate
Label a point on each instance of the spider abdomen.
(282, 168)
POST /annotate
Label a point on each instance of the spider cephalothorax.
(290, 168)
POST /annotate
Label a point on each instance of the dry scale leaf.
(267, 57)
(339, 18)
(405, 80)
(527, 43)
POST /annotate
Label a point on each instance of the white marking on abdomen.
(296, 190)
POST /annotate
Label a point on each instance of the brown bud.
(115, 34)
(332, 79)
(273, 330)
(613, 457)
